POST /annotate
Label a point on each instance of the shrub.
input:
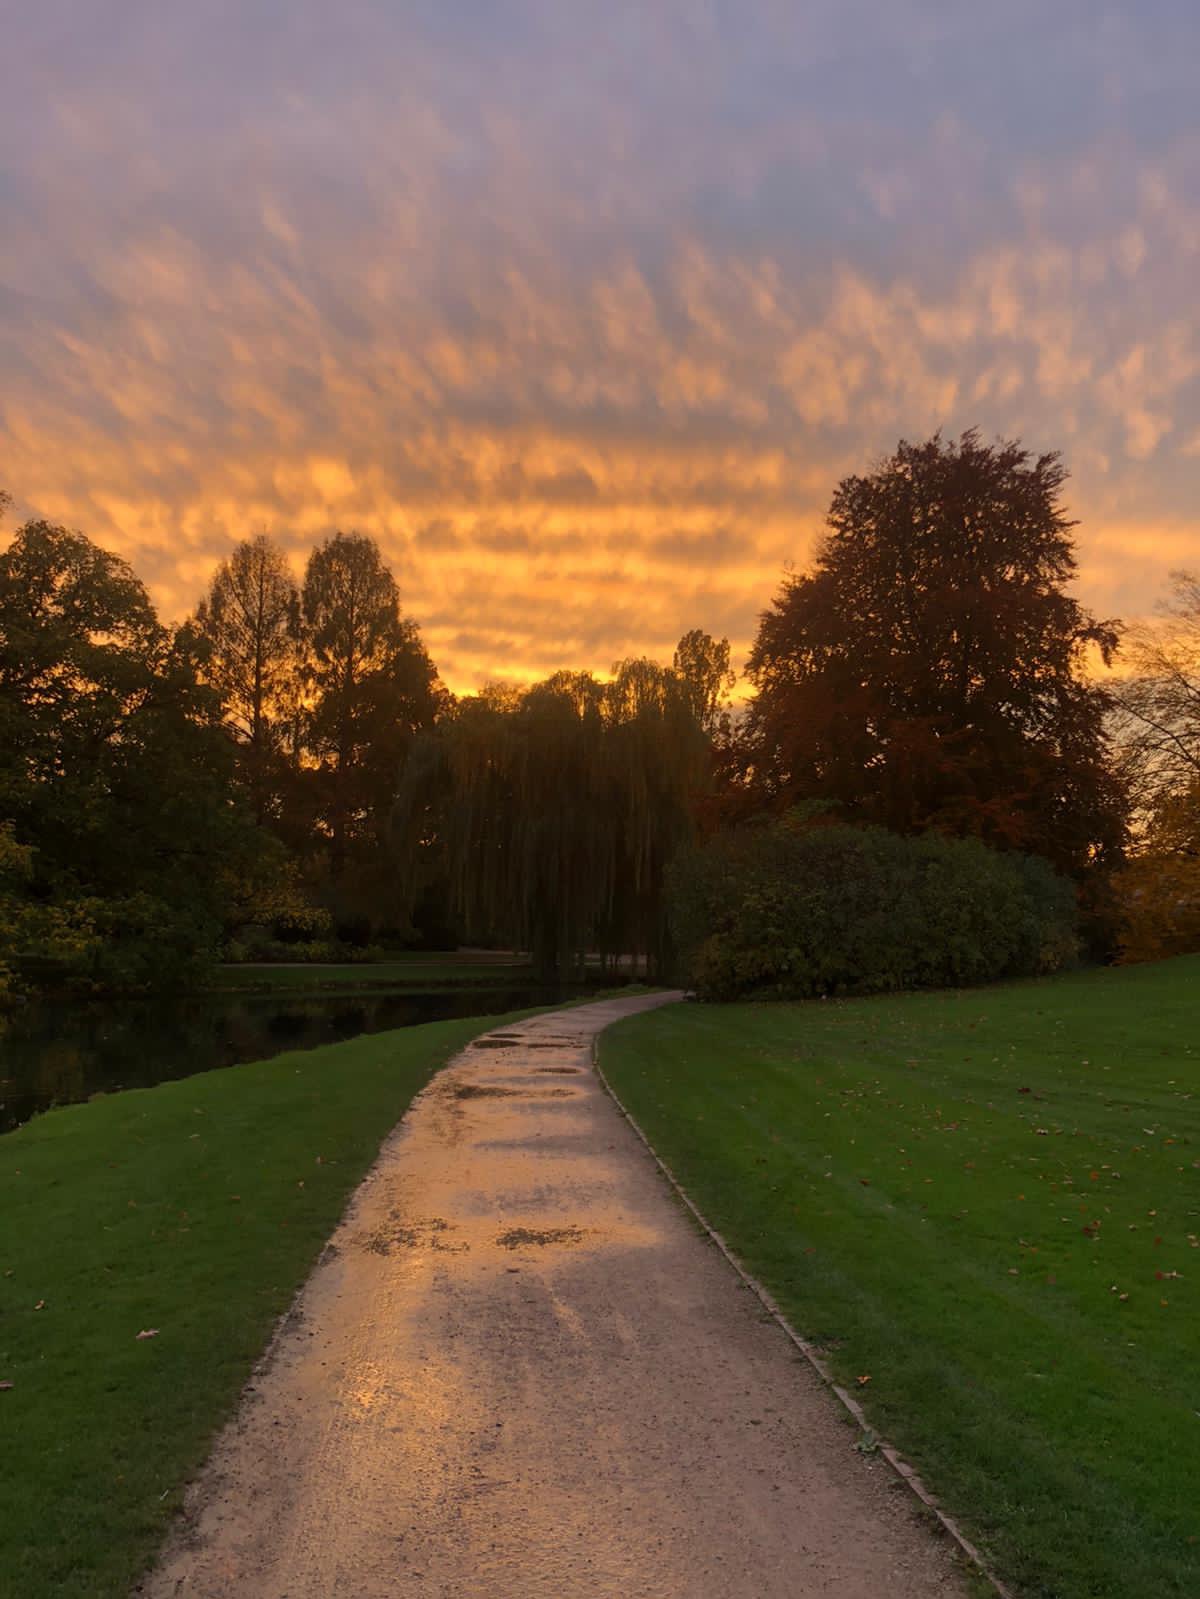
(783, 911)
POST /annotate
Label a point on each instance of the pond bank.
(64, 1051)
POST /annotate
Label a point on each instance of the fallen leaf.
(41, 1305)
(148, 1332)
(864, 1379)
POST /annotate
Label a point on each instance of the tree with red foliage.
(928, 672)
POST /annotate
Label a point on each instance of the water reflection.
(57, 1053)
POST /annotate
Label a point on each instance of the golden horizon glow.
(584, 319)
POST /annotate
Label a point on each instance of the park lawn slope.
(985, 1206)
(198, 1208)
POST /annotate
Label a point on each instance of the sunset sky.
(582, 309)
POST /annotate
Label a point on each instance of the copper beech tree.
(928, 672)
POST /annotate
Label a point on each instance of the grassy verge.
(986, 1207)
(197, 1208)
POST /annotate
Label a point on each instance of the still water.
(62, 1052)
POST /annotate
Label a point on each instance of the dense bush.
(794, 912)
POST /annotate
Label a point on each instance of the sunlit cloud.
(582, 313)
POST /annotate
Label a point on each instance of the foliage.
(780, 910)
(250, 622)
(927, 673)
(1158, 891)
(1160, 702)
(701, 663)
(556, 809)
(61, 936)
(114, 774)
(371, 686)
(985, 1201)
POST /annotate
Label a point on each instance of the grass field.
(196, 1208)
(985, 1205)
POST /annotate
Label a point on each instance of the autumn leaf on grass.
(864, 1380)
(148, 1332)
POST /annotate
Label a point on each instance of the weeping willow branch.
(559, 809)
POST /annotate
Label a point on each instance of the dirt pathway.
(520, 1372)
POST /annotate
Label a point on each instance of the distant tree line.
(284, 773)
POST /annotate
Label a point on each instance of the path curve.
(519, 1372)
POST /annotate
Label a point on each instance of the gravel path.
(519, 1372)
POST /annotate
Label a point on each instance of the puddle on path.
(398, 1233)
(520, 1237)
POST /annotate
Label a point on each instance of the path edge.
(892, 1455)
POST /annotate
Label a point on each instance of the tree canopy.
(370, 685)
(557, 808)
(114, 776)
(928, 672)
(250, 621)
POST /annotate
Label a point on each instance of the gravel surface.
(520, 1372)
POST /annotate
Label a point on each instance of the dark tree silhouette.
(113, 770)
(557, 808)
(250, 621)
(371, 687)
(927, 673)
(701, 664)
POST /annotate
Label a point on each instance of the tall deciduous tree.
(928, 671)
(371, 687)
(249, 620)
(701, 664)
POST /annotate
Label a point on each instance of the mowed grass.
(196, 1208)
(985, 1205)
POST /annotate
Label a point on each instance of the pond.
(61, 1052)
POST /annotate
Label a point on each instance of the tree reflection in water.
(58, 1053)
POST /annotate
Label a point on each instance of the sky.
(582, 310)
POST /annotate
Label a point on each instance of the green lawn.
(987, 1203)
(197, 1208)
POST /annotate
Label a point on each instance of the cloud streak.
(583, 318)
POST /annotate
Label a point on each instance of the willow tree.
(558, 808)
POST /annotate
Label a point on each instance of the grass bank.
(196, 1208)
(985, 1205)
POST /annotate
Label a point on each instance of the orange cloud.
(584, 335)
